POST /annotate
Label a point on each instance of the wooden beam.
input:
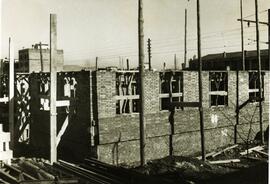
(4, 100)
(261, 153)
(11, 94)
(62, 103)
(219, 93)
(53, 88)
(185, 104)
(224, 161)
(258, 148)
(207, 155)
(167, 95)
(62, 130)
(226, 149)
(253, 21)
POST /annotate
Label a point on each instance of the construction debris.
(258, 148)
(226, 149)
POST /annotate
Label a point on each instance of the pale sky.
(108, 28)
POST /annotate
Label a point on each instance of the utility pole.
(200, 81)
(11, 95)
(127, 64)
(53, 88)
(185, 42)
(242, 35)
(175, 62)
(149, 53)
(259, 70)
(268, 38)
(141, 81)
(96, 63)
(41, 56)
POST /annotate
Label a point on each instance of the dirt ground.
(251, 168)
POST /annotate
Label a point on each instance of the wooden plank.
(224, 161)
(167, 95)
(207, 155)
(62, 103)
(4, 100)
(264, 154)
(127, 97)
(220, 93)
(226, 149)
(62, 130)
(258, 148)
(11, 94)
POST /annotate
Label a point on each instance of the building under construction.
(91, 123)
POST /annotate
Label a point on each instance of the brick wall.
(119, 134)
(151, 94)
(106, 85)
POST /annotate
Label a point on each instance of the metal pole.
(200, 80)
(259, 70)
(242, 35)
(141, 81)
(41, 58)
(53, 88)
(11, 95)
(185, 42)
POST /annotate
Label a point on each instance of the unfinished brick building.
(102, 119)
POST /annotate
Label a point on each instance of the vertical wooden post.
(269, 35)
(259, 70)
(237, 105)
(53, 88)
(149, 53)
(242, 36)
(185, 42)
(96, 63)
(175, 62)
(141, 81)
(11, 95)
(41, 58)
(127, 64)
(200, 81)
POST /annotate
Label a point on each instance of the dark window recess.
(218, 88)
(254, 86)
(126, 88)
(171, 83)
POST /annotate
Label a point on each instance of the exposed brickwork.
(191, 87)
(105, 94)
(151, 84)
(122, 131)
(232, 84)
(243, 87)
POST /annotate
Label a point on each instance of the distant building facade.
(232, 60)
(30, 60)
